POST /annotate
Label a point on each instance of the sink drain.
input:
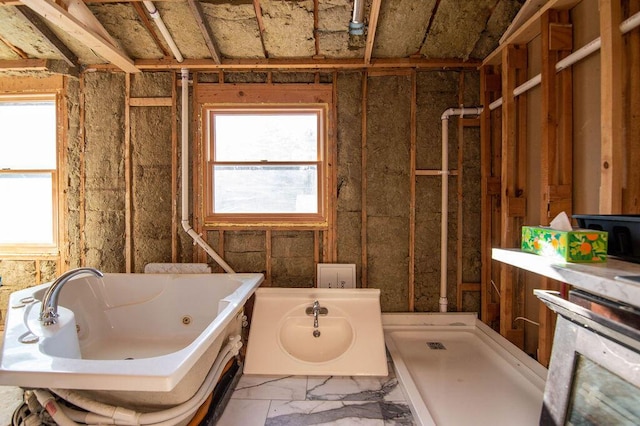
(128, 358)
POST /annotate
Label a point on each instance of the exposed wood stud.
(363, 189)
(513, 68)
(371, 30)
(63, 179)
(205, 29)
(82, 140)
(316, 39)
(333, 166)
(631, 192)
(258, 10)
(300, 64)
(268, 256)
(128, 179)
(13, 48)
(459, 198)
(488, 87)
(151, 102)
(42, 28)
(412, 192)
(86, 28)
(175, 223)
(611, 107)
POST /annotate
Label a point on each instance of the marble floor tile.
(354, 388)
(244, 412)
(370, 413)
(288, 388)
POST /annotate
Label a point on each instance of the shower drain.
(435, 345)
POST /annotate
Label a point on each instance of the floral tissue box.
(579, 245)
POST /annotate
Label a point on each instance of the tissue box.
(579, 245)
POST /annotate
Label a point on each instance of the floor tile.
(290, 413)
(289, 388)
(10, 399)
(338, 388)
(244, 412)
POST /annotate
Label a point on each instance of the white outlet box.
(336, 275)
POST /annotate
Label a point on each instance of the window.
(28, 178)
(266, 164)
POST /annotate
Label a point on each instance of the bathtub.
(145, 340)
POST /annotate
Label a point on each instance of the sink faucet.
(316, 310)
(49, 309)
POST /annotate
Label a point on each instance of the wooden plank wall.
(620, 145)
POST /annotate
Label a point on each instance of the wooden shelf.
(596, 278)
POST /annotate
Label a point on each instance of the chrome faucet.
(49, 310)
(316, 310)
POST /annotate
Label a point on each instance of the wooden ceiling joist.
(14, 48)
(56, 44)
(49, 65)
(300, 64)
(149, 26)
(205, 29)
(79, 22)
(371, 30)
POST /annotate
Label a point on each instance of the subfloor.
(311, 400)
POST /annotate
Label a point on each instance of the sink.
(297, 339)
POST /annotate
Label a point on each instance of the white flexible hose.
(108, 414)
(49, 403)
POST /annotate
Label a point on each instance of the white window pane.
(28, 136)
(26, 209)
(266, 189)
(266, 137)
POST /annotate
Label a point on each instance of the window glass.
(28, 154)
(266, 137)
(266, 162)
(266, 189)
(28, 138)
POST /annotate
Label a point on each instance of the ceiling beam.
(198, 14)
(258, 10)
(50, 65)
(19, 52)
(79, 22)
(299, 64)
(40, 27)
(371, 30)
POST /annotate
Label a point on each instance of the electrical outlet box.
(336, 275)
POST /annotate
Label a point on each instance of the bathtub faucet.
(49, 309)
(316, 310)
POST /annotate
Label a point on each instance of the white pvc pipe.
(155, 15)
(444, 222)
(49, 403)
(578, 55)
(197, 238)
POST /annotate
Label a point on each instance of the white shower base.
(478, 378)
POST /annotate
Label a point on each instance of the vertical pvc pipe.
(444, 220)
(197, 238)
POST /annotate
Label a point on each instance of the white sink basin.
(297, 339)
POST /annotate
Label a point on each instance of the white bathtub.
(145, 339)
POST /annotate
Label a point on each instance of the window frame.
(21, 249)
(290, 220)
